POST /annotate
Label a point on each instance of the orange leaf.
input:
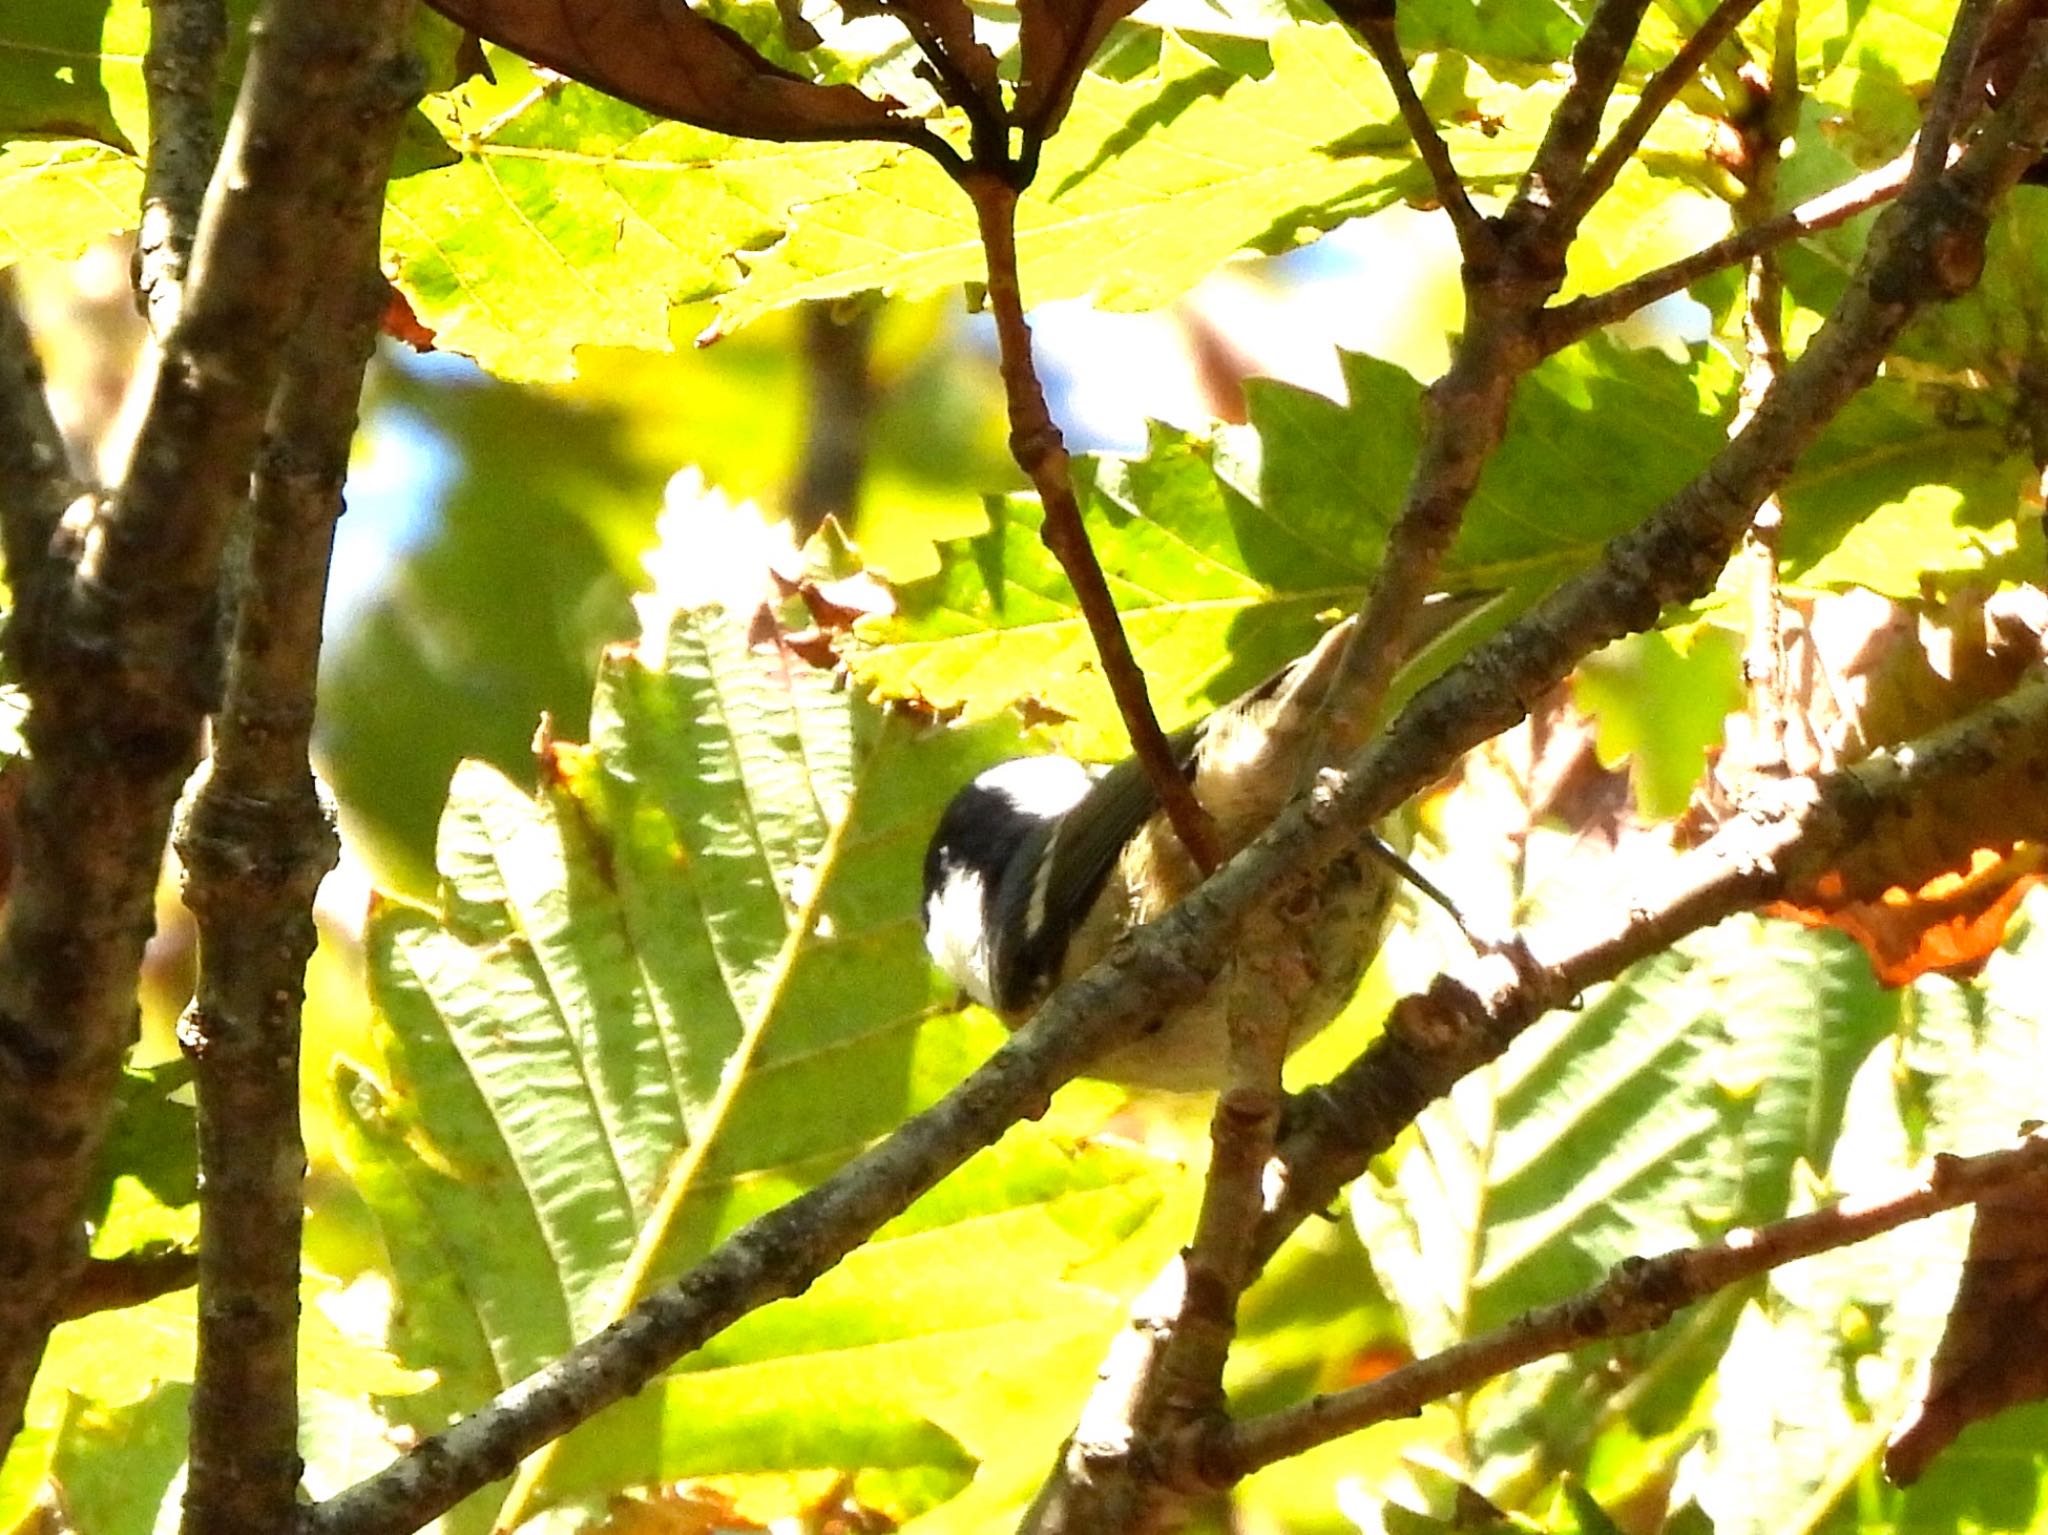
(1951, 923)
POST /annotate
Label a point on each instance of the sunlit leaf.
(680, 985)
(1221, 550)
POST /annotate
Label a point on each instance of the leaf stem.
(1476, 240)
(1036, 445)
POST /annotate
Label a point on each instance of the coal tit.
(1039, 865)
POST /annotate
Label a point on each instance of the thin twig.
(1164, 1371)
(120, 664)
(181, 76)
(1662, 90)
(255, 844)
(1172, 960)
(36, 482)
(1560, 159)
(1568, 322)
(1036, 444)
(1788, 838)
(1475, 235)
(1763, 328)
(110, 1284)
(1638, 1295)
(1948, 101)
(1916, 256)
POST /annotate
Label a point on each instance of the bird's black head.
(980, 871)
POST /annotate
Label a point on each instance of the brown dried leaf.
(1057, 38)
(1953, 923)
(662, 56)
(1994, 1350)
(401, 324)
(1933, 890)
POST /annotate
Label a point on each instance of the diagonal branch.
(1560, 159)
(255, 844)
(181, 74)
(1566, 323)
(1662, 90)
(1918, 254)
(1036, 444)
(1948, 101)
(1790, 834)
(1638, 1295)
(1375, 26)
(1164, 1372)
(118, 662)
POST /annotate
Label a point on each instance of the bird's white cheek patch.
(956, 933)
(1040, 787)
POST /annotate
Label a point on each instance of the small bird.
(1038, 865)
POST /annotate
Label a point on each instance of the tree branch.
(1164, 1372)
(181, 75)
(1792, 833)
(1948, 101)
(1638, 1295)
(1560, 159)
(36, 482)
(1672, 558)
(1036, 444)
(119, 662)
(255, 843)
(1375, 27)
(110, 1284)
(1568, 322)
(1432, 1041)
(1662, 90)
(1763, 330)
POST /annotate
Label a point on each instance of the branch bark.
(181, 74)
(256, 842)
(1036, 444)
(1638, 1295)
(1375, 26)
(1662, 90)
(36, 482)
(1792, 832)
(1920, 252)
(1582, 316)
(119, 661)
(1673, 557)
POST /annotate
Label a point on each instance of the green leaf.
(681, 984)
(571, 219)
(147, 1183)
(59, 196)
(1826, 1364)
(1671, 1107)
(75, 70)
(1659, 700)
(1175, 172)
(1897, 493)
(117, 1467)
(1221, 551)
